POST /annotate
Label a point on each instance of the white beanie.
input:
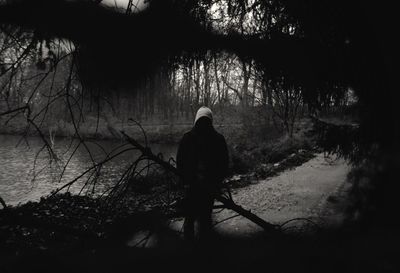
(203, 112)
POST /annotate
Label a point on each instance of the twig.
(226, 219)
(14, 110)
(298, 219)
(3, 203)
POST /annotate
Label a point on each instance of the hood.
(203, 112)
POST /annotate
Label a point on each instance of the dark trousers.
(199, 205)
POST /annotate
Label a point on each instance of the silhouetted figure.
(203, 160)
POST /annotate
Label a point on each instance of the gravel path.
(304, 191)
(300, 192)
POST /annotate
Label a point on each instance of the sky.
(124, 3)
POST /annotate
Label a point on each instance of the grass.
(246, 156)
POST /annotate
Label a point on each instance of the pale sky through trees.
(137, 4)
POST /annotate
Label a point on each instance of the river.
(28, 173)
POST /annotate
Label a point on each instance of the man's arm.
(224, 159)
(182, 159)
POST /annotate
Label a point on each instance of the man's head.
(203, 120)
(203, 112)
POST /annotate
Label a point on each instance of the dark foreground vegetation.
(74, 233)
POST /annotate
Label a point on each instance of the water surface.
(28, 172)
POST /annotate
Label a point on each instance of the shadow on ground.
(340, 250)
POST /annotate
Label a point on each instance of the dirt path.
(301, 192)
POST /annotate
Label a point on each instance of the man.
(202, 159)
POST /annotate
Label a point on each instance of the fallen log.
(227, 202)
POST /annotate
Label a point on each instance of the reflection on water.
(27, 173)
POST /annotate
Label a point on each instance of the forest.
(286, 80)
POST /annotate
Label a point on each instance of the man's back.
(202, 159)
(202, 154)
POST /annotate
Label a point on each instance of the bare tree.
(286, 102)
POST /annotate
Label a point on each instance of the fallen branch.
(228, 203)
(13, 110)
(3, 203)
(226, 219)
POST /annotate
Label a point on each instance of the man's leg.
(205, 220)
(190, 218)
(188, 229)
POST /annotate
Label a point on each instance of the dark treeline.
(249, 55)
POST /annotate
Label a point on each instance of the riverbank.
(87, 229)
(21, 161)
(250, 159)
(93, 128)
(68, 233)
(65, 223)
(48, 211)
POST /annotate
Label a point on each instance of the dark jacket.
(202, 157)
